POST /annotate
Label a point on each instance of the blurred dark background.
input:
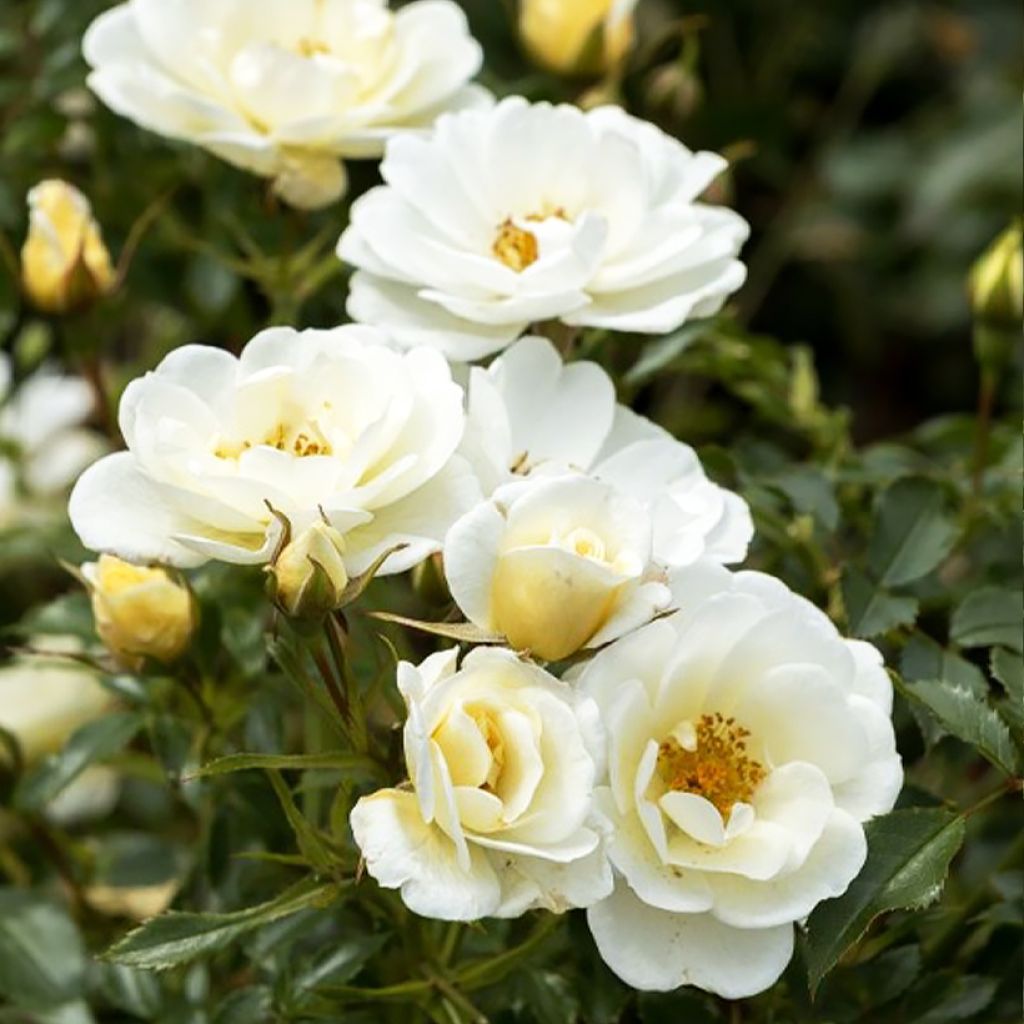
(877, 150)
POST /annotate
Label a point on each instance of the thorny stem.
(335, 692)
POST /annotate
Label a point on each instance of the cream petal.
(404, 852)
(799, 713)
(464, 748)
(655, 950)
(412, 321)
(833, 862)
(532, 883)
(420, 521)
(523, 766)
(116, 509)
(874, 787)
(697, 817)
(556, 411)
(656, 883)
(470, 558)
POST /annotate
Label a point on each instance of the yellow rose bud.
(577, 36)
(309, 576)
(996, 283)
(140, 612)
(64, 264)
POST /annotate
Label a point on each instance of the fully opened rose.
(747, 741)
(498, 816)
(285, 89)
(555, 564)
(524, 213)
(302, 427)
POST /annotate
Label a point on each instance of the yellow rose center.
(495, 744)
(307, 47)
(515, 247)
(711, 760)
(303, 440)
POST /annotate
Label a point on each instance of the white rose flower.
(554, 565)
(746, 742)
(498, 817)
(43, 444)
(523, 212)
(284, 88)
(304, 425)
(530, 414)
(43, 701)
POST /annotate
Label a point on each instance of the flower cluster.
(687, 751)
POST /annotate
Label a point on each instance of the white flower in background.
(529, 414)
(521, 213)
(555, 564)
(43, 445)
(285, 89)
(498, 817)
(577, 36)
(746, 743)
(308, 425)
(43, 701)
(64, 264)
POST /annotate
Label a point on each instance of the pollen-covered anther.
(515, 247)
(714, 762)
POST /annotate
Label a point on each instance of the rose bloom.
(43, 701)
(497, 819)
(747, 741)
(64, 264)
(531, 415)
(555, 564)
(522, 212)
(284, 88)
(43, 442)
(302, 426)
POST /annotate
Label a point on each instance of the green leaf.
(991, 615)
(309, 841)
(923, 658)
(912, 532)
(93, 742)
(1008, 668)
(176, 938)
(909, 852)
(42, 959)
(969, 718)
(340, 760)
(870, 610)
(464, 632)
(658, 354)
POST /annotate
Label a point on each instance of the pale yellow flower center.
(301, 440)
(711, 760)
(495, 743)
(518, 248)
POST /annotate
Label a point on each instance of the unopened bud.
(577, 37)
(308, 577)
(140, 612)
(65, 266)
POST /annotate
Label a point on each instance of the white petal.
(470, 558)
(529, 883)
(116, 509)
(832, 864)
(402, 851)
(655, 950)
